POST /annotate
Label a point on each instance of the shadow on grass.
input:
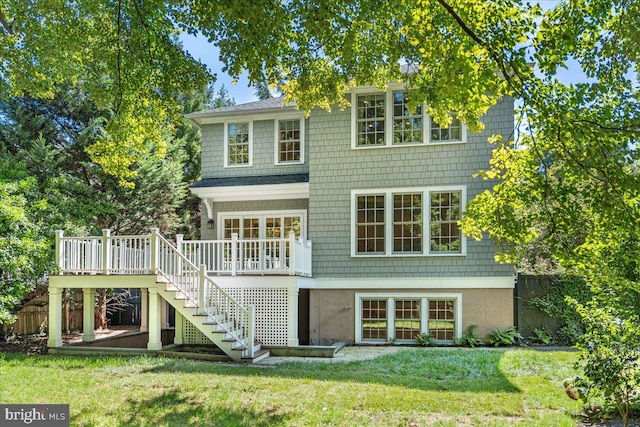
(459, 370)
(171, 408)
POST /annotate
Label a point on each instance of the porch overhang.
(270, 187)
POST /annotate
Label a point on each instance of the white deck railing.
(153, 254)
(249, 256)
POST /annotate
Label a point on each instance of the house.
(339, 226)
(378, 189)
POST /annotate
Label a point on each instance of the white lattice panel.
(191, 334)
(271, 312)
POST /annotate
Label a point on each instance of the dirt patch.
(36, 344)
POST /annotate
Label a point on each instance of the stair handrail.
(243, 319)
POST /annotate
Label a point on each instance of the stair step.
(258, 356)
(223, 327)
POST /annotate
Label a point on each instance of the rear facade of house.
(374, 192)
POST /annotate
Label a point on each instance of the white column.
(292, 317)
(164, 314)
(55, 317)
(144, 310)
(179, 338)
(155, 340)
(88, 319)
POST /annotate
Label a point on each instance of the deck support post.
(155, 338)
(292, 317)
(55, 317)
(144, 310)
(179, 337)
(88, 316)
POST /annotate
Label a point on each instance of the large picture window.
(398, 222)
(384, 119)
(402, 317)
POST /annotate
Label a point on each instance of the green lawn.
(417, 387)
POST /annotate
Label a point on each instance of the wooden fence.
(33, 318)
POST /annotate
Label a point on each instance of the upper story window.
(383, 119)
(289, 141)
(238, 144)
(399, 222)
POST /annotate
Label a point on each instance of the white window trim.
(388, 220)
(302, 213)
(388, 135)
(276, 132)
(226, 143)
(424, 311)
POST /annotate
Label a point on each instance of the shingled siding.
(263, 152)
(336, 169)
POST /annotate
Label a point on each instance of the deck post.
(179, 337)
(106, 251)
(154, 251)
(292, 253)
(179, 240)
(144, 310)
(202, 276)
(292, 316)
(155, 339)
(88, 317)
(234, 254)
(251, 334)
(59, 250)
(55, 317)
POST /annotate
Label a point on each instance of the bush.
(508, 336)
(424, 339)
(611, 358)
(469, 338)
(541, 335)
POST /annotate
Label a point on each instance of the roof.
(263, 104)
(252, 180)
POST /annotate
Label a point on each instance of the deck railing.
(153, 254)
(249, 256)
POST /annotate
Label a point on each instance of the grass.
(418, 387)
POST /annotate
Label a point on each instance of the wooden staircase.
(215, 325)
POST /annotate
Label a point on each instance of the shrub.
(424, 339)
(469, 338)
(508, 336)
(541, 335)
(611, 358)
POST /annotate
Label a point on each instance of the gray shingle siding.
(263, 152)
(336, 169)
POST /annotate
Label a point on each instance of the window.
(401, 317)
(238, 144)
(393, 223)
(262, 225)
(384, 119)
(407, 319)
(407, 222)
(407, 124)
(445, 214)
(370, 119)
(451, 133)
(442, 320)
(370, 225)
(289, 147)
(374, 320)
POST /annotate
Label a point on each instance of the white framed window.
(262, 224)
(238, 144)
(289, 140)
(384, 119)
(382, 317)
(420, 221)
